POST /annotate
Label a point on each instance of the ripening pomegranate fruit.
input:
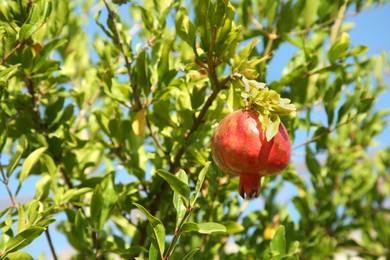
(239, 147)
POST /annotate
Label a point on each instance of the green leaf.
(358, 50)
(33, 211)
(45, 51)
(199, 183)
(153, 253)
(20, 148)
(177, 199)
(203, 228)
(348, 106)
(134, 250)
(198, 156)
(246, 51)
(202, 23)
(176, 184)
(191, 254)
(233, 227)
(227, 32)
(278, 243)
(72, 193)
(52, 169)
(23, 238)
(185, 28)
(365, 105)
(338, 50)
(26, 31)
(97, 207)
(311, 162)
(158, 229)
(103, 198)
(141, 71)
(18, 256)
(3, 132)
(210, 227)
(163, 64)
(7, 73)
(310, 11)
(234, 98)
(294, 248)
(22, 222)
(30, 161)
(272, 127)
(42, 188)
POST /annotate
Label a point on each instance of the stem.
(271, 37)
(48, 237)
(5, 182)
(177, 233)
(5, 58)
(128, 61)
(315, 138)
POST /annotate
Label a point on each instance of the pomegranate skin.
(239, 147)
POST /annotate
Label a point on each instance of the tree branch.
(48, 237)
(128, 61)
(5, 182)
(315, 138)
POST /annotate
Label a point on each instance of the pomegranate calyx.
(249, 185)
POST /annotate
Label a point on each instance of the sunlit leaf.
(176, 184)
(278, 243)
(30, 162)
(158, 229)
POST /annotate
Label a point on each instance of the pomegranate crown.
(267, 102)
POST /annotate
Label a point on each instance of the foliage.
(117, 125)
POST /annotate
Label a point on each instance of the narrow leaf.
(18, 256)
(191, 254)
(176, 184)
(203, 228)
(30, 162)
(96, 207)
(23, 238)
(20, 148)
(178, 201)
(185, 28)
(157, 226)
(233, 227)
(211, 227)
(199, 183)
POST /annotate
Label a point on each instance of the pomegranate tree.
(252, 143)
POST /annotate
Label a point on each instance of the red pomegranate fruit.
(240, 148)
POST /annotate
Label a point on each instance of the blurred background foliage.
(106, 113)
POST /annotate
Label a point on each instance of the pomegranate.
(239, 147)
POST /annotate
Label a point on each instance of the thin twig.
(5, 182)
(315, 138)
(328, 22)
(84, 111)
(52, 250)
(271, 37)
(5, 58)
(128, 61)
(177, 234)
(153, 134)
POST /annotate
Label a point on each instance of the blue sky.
(371, 29)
